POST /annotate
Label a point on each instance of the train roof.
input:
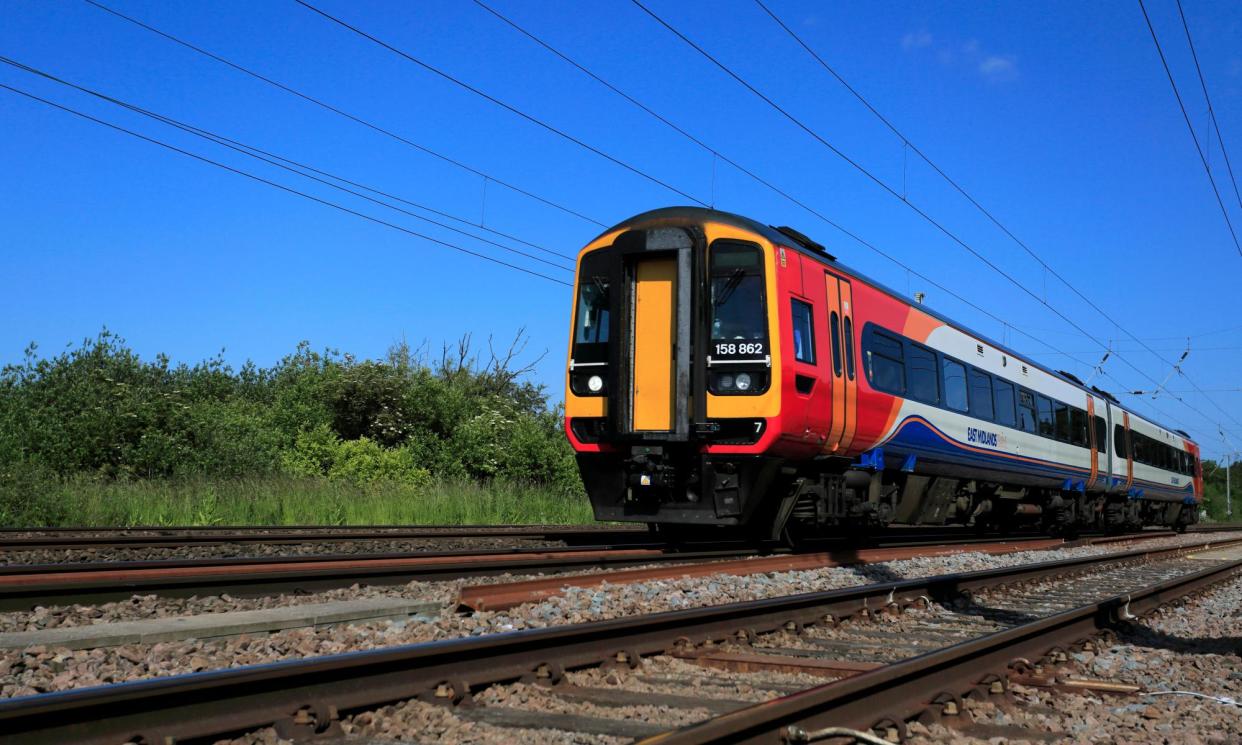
(799, 242)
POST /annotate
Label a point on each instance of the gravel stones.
(20, 557)
(1193, 647)
(32, 670)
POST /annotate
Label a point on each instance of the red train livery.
(723, 372)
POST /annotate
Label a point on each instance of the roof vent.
(802, 240)
(1069, 376)
(1106, 395)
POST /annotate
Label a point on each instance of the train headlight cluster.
(738, 383)
(588, 383)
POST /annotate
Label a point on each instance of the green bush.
(321, 453)
(98, 414)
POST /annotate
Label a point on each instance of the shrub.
(98, 411)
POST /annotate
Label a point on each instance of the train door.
(655, 297)
(1125, 418)
(841, 363)
(1093, 435)
(1109, 431)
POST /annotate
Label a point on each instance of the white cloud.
(916, 40)
(999, 67)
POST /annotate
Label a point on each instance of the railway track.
(26, 586)
(23, 587)
(65, 539)
(960, 633)
(69, 539)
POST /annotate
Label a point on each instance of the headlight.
(588, 384)
(751, 383)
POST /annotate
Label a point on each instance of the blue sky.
(1056, 116)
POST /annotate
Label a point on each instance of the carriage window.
(1101, 434)
(1004, 403)
(923, 384)
(1061, 416)
(1119, 441)
(1046, 426)
(849, 347)
(1078, 426)
(803, 332)
(834, 330)
(980, 394)
(885, 364)
(954, 384)
(1026, 411)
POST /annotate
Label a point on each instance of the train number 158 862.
(731, 349)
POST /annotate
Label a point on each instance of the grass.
(283, 500)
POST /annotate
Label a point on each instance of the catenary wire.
(973, 201)
(356, 119)
(486, 176)
(1211, 110)
(276, 160)
(281, 187)
(893, 192)
(496, 101)
(1182, 105)
(716, 153)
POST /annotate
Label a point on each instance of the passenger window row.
(1152, 452)
(905, 368)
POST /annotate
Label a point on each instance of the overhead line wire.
(747, 171)
(941, 172)
(1186, 116)
(496, 101)
(533, 37)
(356, 119)
(1207, 97)
(883, 185)
(273, 159)
(282, 187)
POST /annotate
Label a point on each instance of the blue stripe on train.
(916, 436)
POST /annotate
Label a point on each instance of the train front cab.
(674, 382)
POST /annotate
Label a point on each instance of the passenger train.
(727, 373)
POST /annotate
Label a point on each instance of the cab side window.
(803, 332)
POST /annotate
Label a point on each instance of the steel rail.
(25, 586)
(22, 587)
(311, 694)
(81, 538)
(932, 685)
